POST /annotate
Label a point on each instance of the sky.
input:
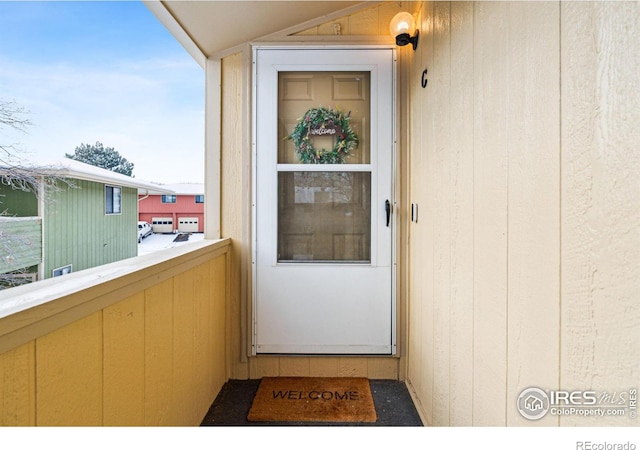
(109, 72)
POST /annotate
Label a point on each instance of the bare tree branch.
(20, 176)
(14, 116)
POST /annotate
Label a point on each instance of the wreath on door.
(324, 122)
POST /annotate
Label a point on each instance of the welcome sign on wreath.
(324, 122)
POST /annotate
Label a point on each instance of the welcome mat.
(302, 399)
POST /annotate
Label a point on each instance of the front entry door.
(323, 201)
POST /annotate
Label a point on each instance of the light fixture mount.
(405, 39)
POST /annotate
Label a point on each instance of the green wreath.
(329, 122)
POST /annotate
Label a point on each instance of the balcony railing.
(137, 342)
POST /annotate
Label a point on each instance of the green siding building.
(88, 219)
(79, 233)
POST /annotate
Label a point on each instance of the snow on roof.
(70, 168)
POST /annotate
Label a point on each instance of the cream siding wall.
(600, 189)
(147, 347)
(235, 202)
(523, 265)
(373, 21)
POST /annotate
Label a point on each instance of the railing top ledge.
(24, 306)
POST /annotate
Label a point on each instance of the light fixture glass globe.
(401, 23)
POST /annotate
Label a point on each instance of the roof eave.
(161, 12)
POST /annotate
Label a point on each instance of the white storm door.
(323, 230)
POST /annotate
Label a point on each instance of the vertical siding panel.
(461, 216)
(183, 350)
(600, 335)
(427, 214)
(159, 354)
(386, 11)
(17, 387)
(84, 203)
(265, 366)
(414, 116)
(420, 370)
(130, 226)
(233, 203)
(81, 255)
(325, 366)
(411, 110)
(210, 351)
(440, 78)
(213, 352)
(80, 197)
(124, 358)
(69, 375)
(201, 339)
(218, 323)
(352, 367)
(490, 213)
(89, 202)
(382, 368)
(81, 251)
(51, 231)
(295, 367)
(534, 176)
(364, 22)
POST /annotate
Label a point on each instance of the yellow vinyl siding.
(18, 386)
(155, 355)
(69, 374)
(124, 367)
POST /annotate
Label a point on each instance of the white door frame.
(394, 187)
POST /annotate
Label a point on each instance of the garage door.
(162, 224)
(188, 224)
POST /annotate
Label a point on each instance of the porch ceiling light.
(403, 27)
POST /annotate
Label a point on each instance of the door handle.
(387, 207)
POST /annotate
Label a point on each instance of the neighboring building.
(179, 212)
(88, 218)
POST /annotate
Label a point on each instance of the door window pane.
(324, 217)
(346, 97)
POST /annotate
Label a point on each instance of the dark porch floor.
(393, 403)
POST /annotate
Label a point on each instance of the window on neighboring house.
(62, 271)
(168, 199)
(199, 198)
(112, 200)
